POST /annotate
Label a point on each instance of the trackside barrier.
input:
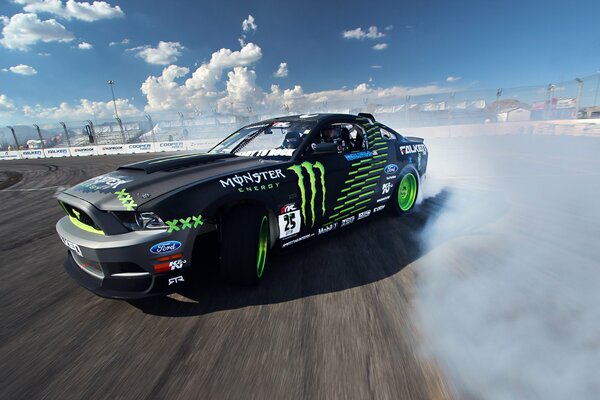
(129, 148)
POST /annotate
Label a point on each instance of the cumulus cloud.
(453, 78)
(380, 46)
(83, 11)
(22, 69)
(85, 46)
(164, 54)
(248, 25)
(124, 41)
(6, 104)
(359, 33)
(282, 71)
(24, 30)
(164, 93)
(242, 90)
(85, 109)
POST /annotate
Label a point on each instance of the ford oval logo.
(391, 169)
(165, 247)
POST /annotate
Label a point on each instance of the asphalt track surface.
(334, 318)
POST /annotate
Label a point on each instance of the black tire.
(244, 244)
(406, 192)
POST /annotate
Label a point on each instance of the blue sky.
(60, 51)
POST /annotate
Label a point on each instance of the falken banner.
(31, 154)
(57, 152)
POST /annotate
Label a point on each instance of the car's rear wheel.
(244, 244)
(405, 195)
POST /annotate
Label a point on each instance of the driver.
(331, 134)
(291, 141)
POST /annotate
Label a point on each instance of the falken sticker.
(413, 148)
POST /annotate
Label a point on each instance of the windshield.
(279, 138)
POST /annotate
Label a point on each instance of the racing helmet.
(292, 140)
(331, 134)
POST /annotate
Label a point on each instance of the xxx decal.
(310, 170)
(126, 199)
(184, 223)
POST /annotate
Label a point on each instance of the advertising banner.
(9, 155)
(83, 151)
(201, 144)
(30, 154)
(57, 152)
(169, 146)
(139, 148)
(111, 149)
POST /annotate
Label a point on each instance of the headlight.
(141, 221)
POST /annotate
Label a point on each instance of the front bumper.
(122, 266)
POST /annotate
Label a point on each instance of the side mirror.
(325, 148)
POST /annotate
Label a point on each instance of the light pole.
(597, 87)
(149, 118)
(66, 133)
(111, 83)
(578, 98)
(39, 135)
(14, 135)
(92, 131)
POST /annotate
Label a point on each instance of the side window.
(386, 134)
(349, 137)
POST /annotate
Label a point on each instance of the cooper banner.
(139, 148)
(170, 146)
(83, 151)
(30, 154)
(57, 152)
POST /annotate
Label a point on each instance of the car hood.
(132, 185)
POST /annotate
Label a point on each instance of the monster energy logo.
(310, 169)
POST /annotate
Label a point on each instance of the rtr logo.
(288, 208)
(175, 280)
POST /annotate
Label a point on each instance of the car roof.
(317, 117)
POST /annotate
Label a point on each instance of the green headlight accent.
(407, 192)
(85, 227)
(263, 240)
(298, 170)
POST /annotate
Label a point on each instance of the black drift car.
(132, 232)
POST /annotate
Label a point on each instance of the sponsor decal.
(177, 264)
(281, 125)
(181, 224)
(390, 169)
(175, 280)
(166, 146)
(327, 229)
(390, 178)
(378, 208)
(359, 155)
(289, 224)
(386, 187)
(310, 170)
(267, 153)
(103, 183)
(253, 179)
(126, 199)
(288, 208)
(364, 214)
(257, 126)
(413, 148)
(347, 221)
(291, 242)
(71, 246)
(383, 199)
(165, 247)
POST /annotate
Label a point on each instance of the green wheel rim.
(263, 241)
(407, 192)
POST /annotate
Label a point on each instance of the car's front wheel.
(244, 244)
(405, 195)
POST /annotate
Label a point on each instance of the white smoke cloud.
(83, 11)
(24, 30)
(507, 288)
(84, 110)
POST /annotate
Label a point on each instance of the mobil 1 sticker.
(289, 224)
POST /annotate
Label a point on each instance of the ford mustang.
(142, 229)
